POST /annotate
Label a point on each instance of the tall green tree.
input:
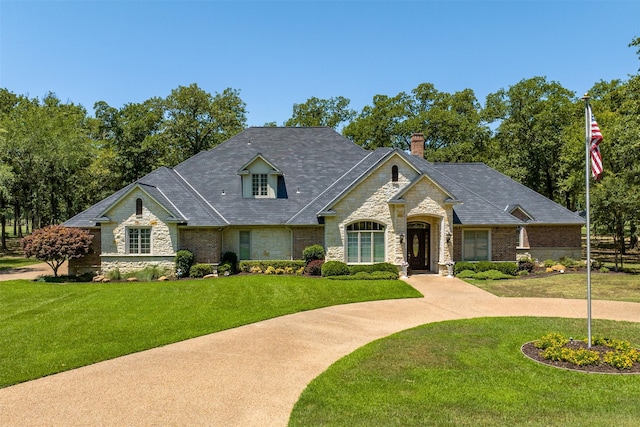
(133, 134)
(198, 121)
(451, 123)
(530, 117)
(321, 112)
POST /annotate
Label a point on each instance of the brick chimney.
(417, 145)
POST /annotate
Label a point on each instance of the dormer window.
(139, 207)
(262, 180)
(259, 184)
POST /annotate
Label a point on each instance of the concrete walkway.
(253, 375)
(33, 271)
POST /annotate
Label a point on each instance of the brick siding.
(306, 236)
(203, 242)
(89, 263)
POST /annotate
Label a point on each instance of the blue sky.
(277, 53)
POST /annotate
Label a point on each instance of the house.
(267, 193)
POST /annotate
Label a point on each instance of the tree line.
(56, 160)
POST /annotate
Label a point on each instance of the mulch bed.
(534, 353)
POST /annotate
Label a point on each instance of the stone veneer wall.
(164, 236)
(204, 243)
(369, 201)
(89, 263)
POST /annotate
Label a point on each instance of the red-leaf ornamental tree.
(55, 244)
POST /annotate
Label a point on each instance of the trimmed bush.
(200, 270)
(313, 253)
(363, 275)
(491, 275)
(370, 268)
(464, 265)
(466, 274)
(113, 275)
(335, 268)
(232, 259)
(314, 267)
(183, 260)
(509, 268)
(262, 265)
(225, 269)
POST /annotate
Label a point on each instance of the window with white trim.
(259, 184)
(365, 242)
(475, 245)
(139, 240)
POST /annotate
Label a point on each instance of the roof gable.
(259, 160)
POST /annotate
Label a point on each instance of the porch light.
(401, 236)
(448, 236)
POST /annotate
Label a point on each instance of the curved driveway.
(253, 375)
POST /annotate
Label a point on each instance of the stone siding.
(369, 201)
(134, 263)
(164, 236)
(204, 243)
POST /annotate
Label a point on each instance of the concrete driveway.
(253, 375)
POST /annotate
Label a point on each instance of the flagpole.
(587, 115)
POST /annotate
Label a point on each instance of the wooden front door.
(418, 248)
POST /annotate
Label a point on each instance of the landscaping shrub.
(147, 274)
(232, 259)
(526, 264)
(200, 270)
(466, 274)
(491, 275)
(604, 270)
(509, 268)
(335, 268)
(262, 265)
(363, 275)
(313, 253)
(485, 266)
(548, 263)
(270, 270)
(570, 262)
(113, 275)
(225, 269)
(314, 267)
(370, 268)
(183, 260)
(464, 265)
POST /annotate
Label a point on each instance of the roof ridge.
(329, 187)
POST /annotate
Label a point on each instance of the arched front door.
(418, 234)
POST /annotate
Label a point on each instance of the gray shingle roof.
(318, 166)
(488, 196)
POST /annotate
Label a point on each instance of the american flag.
(596, 157)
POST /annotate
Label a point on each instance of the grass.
(48, 328)
(604, 286)
(9, 262)
(469, 373)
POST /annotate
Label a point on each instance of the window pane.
(365, 247)
(245, 245)
(476, 245)
(145, 241)
(378, 247)
(133, 240)
(352, 247)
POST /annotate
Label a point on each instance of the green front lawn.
(604, 286)
(9, 262)
(470, 373)
(48, 328)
